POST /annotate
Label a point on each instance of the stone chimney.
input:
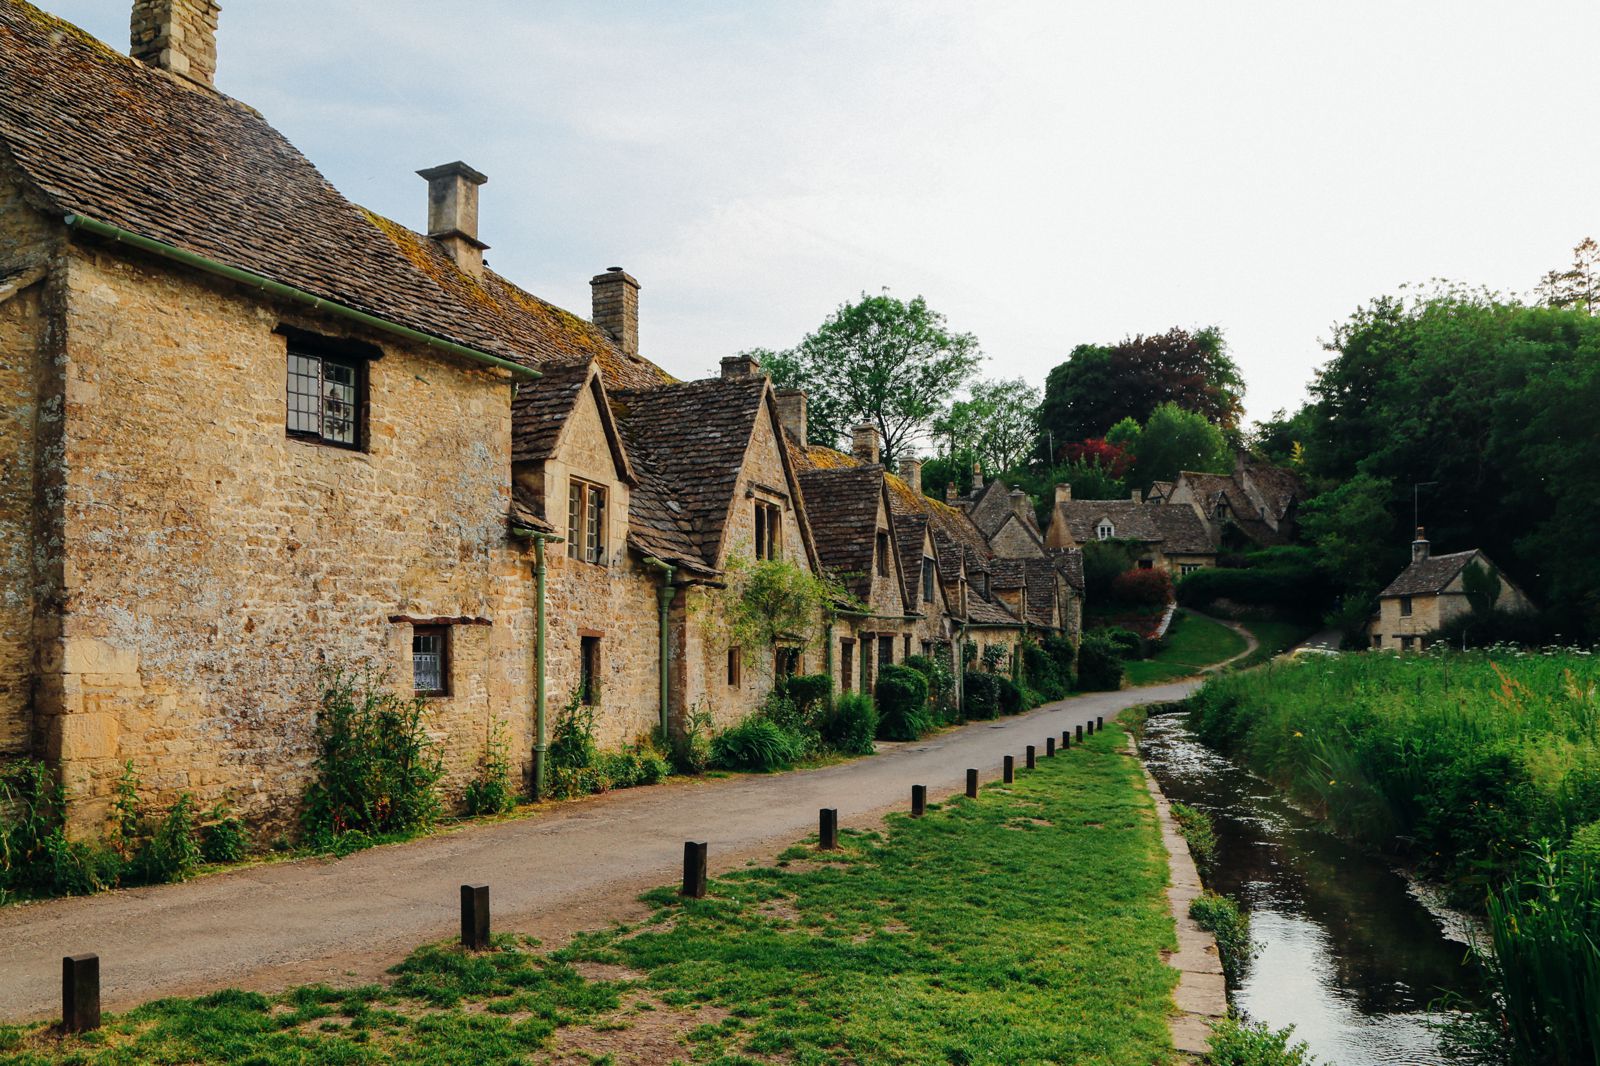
(179, 36)
(1135, 495)
(1420, 547)
(453, 213)
(615, 296)
(950, 492)
(864, 443)
(1063, 493)
(1021, 506)
(977, 477)
(743, 365)
(792, 413)
(911, 474)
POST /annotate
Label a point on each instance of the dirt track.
(578, 866)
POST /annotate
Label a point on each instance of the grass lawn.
(1193, 642)
(1023, 927)
(1275, 637)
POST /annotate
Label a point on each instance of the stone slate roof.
(98, 134)
(982, 612)
(842, 504)
(910, 533)
(1133, 520)
(525, 511)
(1007, 573)
(1159, 491)
(1070, 562)
(1430, 575)
(688, 441)
(1040, 575)
(1279, 488)
(1182, 532)
(541, 408)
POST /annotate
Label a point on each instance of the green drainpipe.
(541, 737)
(664, 597)
(289, 292)
(827, 648)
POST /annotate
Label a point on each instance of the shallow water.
(1348, 953)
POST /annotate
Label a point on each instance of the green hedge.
(902, 698)
(982, 694)
(1100, 666)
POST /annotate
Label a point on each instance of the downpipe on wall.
(664, 597)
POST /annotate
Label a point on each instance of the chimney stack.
(1135, 495)
(1021, 506)
(179, 36)
(792, 413)
(1420, 547)
(1063, 493)
(743, 365)
(977, 477)
(911, 474)
(615, 296)
(453, 213)
(950, 492)
(864, 443)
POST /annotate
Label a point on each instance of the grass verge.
(1193, 643)
(1022, 927)
(1275, 638)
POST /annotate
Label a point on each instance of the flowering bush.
(1151, 588)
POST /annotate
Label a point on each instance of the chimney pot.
(178, 36)
(1420, 547)
(1020, 504)
(792, 413)
(864, 443)
(743, 365)
(453, 213)
(911, 474)
(615, 298)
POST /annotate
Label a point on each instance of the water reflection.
(1348, 955)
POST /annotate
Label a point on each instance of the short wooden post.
(1032, 759)
(1099, 723)
(1010, 773)
(1049, 747)
(694, 869)
(972, 784)
(827, 829)
(80, 993)
(1066, 739)
(1080, 734)
(475, 917)
(919, 800)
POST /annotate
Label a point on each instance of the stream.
(1348, 952)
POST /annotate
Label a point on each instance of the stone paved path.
(577, 866)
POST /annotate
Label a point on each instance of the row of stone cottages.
(251, 431)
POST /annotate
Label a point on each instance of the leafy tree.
(1578, 286)
(1103, 562)
(1098, 386)
(998, 423)
(775, 600)
(1171, 440)
(882, 360)
(1482, 586)
(1353, 530)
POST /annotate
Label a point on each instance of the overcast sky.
(1046, 174)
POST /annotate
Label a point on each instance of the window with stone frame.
(325, 389)
(1405, 606)
(586, 521)
(1105, 530)
(927, 580)
(769, 530)
(786, 662)
(883, 553)
(430, 660)
(885, 651)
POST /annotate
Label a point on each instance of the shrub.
(1197, 830)
(639, 765)
(572, 745)
(809, 693)
(1126, 643)
(851, 724)
(756, 743)
(491, 790)
(376, 769)
(982, 693)
(1222, 917)
(1048, 676)
(1236, 1042)
(1499, 627)
(1283, 580)
(1585, 845)
(995, 656)
(171, 852)
(1103, 561)
(941, 685)
(1142, 588)
(782, 711)
(223, 837)
(1010, 696)
(691, 750)
(1099, 664)
(902, 698)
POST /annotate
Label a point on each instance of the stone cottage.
(1255, 506)
(1165, 537)
(1431, 592)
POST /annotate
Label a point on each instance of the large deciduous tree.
(997, 424)
(1171, 440)
(1098, 386)
(891, 362)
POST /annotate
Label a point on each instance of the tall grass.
(1459, 761)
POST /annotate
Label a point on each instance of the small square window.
(1405, 606)
(324, 393)
(430, 660)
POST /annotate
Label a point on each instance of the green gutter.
(664, 597)
(289, 292)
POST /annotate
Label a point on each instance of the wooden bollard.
(972, 784)
(1088, 729)
(1009, 774)
(475, 917)
(80, 993)
(1049, 747)
(1032, 760)
(1099, 723)
(1080, 734)
(827, 829)
(694, 869)
(1066, 739)
(919, 800)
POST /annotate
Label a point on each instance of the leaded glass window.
(324, 398)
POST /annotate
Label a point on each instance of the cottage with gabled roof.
(1167, 537)
(1432, 591)
(1256, 506)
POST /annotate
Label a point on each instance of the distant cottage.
(252, 431)
(1435, 589)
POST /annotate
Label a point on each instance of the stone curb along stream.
(1202, 992)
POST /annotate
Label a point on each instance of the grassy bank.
(1482, 769)
(1274, 637)
(1023, 927)
(1193, 643)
